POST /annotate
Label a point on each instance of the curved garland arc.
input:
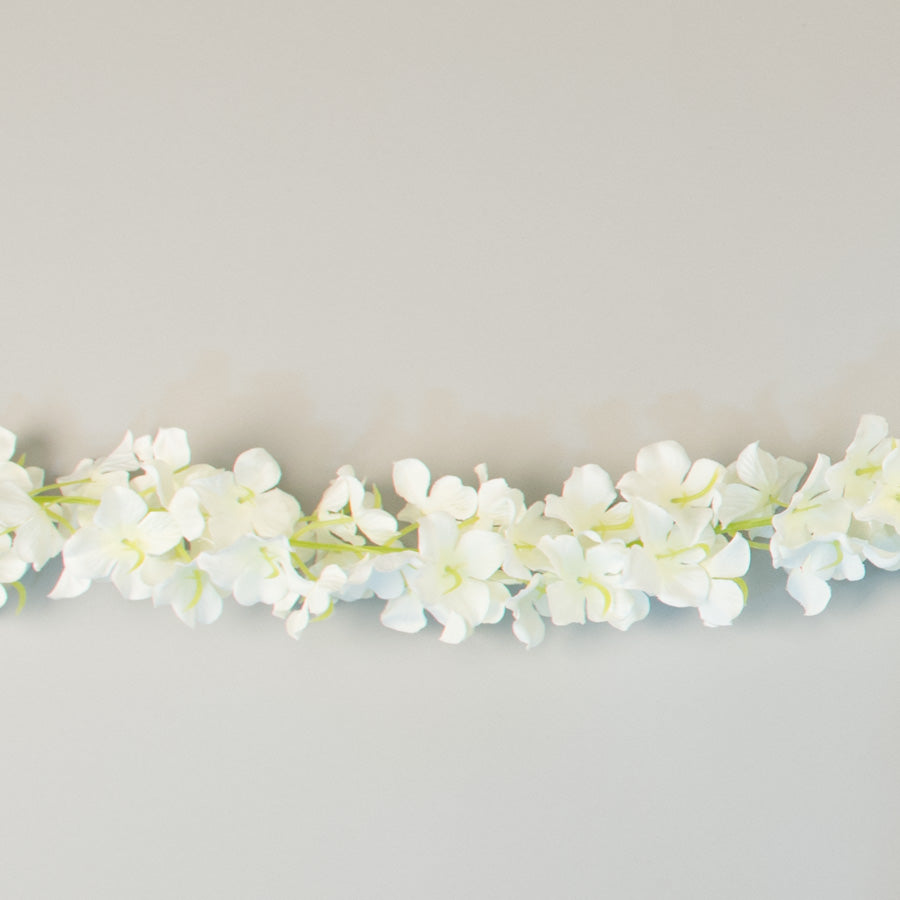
(189, 535)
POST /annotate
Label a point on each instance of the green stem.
(351, 548)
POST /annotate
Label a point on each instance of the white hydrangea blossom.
(189, 536)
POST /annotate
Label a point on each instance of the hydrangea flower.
(665, 476)
(120, 538)
(447, 495)
(451, 580)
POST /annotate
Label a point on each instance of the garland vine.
(188, 535)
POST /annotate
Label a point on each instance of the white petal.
(653, 523)
(256, 470)
(69, 585)
(335, 497)
(482, 553)
(628, 607)
(297, 621)
(122, 459)
(528, 626)
(450, 495)
(701, 480)
(731, 561)
(438, 534)
(7, 444)
(724, 603)
(411, 480)
(129, 582)
(275, 513)
(185, 508)
(607, 558)
(377, 525)
(16, 506)
(870, 432)
(38, 541)
(564, 553)
(590, 485)
(171, 445)
(119, 506)
(12, 566)
(757, 468)
(456, 629)
(811, 592)
(158, 532)
(663, 461)
(86, 554)
(566, 602)
(684, 586)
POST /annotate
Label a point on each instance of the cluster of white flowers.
(188, 535)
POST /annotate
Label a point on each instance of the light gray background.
(535, 234)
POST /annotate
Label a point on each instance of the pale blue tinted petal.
(404, 613)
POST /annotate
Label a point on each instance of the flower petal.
(411, 480)
(404, 613)
(257, 470)
(811, 592)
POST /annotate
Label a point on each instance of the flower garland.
(189, 535)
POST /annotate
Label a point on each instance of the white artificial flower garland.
(188, 535)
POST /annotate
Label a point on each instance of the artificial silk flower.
(191, 593)
(255, 570)
(816, 512)
(451, 579)
(122, 535)
(499, 505)
(665, 476)
(318, 598)
(590, 583)
(811, 541)
(669, 561)
(89, 481)
(879, 543)
(447, 495)
(857, 475)
(246, 500)
(754, 487)
(586, 505)
(503, 509)
(882, 503)
(33, 520)
(810, 569)
(346, 508)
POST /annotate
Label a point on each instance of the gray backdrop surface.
(532, 234)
